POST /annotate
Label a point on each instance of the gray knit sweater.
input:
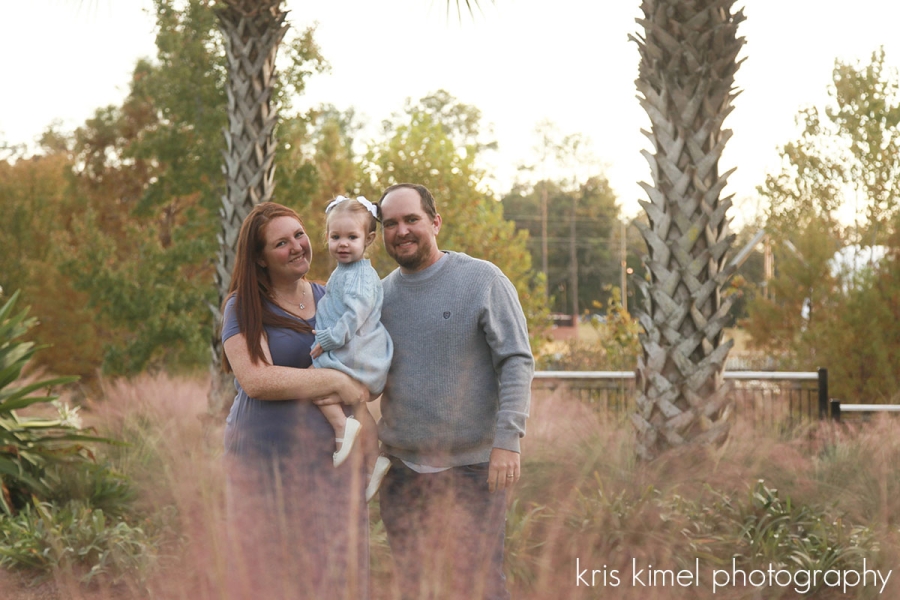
(460, 381)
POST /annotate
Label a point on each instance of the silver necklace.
(302, 297)
(300, 304)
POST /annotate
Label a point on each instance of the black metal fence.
(769, 398)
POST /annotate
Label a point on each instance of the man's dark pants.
(446, 532)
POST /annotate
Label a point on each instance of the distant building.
(849, 262)
(563, 327)
(853, 259)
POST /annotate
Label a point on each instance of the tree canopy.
(838, 189)
(112, 228)
(436, 142)
(596, 232)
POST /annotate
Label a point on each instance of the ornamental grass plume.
(817, 495)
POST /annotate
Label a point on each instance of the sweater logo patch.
(446, 314)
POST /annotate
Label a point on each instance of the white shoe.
(351, 432)
(382, 465)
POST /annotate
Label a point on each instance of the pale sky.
(519, 61)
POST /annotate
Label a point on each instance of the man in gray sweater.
(454, 407)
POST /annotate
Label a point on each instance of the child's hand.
(316, 351)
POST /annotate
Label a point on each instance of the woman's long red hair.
(250, 282)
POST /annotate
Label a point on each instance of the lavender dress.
(298, 527)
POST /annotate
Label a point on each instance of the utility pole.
(546, 130)
(573, 261)
(623, 257)
(544, 262)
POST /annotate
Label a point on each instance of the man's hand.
(504, 469)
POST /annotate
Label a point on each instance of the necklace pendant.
(302, 306)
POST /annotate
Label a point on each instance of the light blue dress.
(349, 329)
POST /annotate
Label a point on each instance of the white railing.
(769, 395)
(818, 404)
(733, 375)
(838, 408)
(870, 407)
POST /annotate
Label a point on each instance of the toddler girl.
(349, 333)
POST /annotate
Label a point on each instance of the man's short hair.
(428, 203)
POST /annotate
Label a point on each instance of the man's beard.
(411, 262)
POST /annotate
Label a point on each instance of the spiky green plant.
(32, 446)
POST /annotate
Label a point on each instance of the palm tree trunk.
(688, 61)
(253, 29)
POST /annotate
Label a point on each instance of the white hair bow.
(361, 199)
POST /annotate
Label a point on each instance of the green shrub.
(661, 526)
(75, 539)
(768, 529)
(31, 447)
(60, 509)
(98, 485)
